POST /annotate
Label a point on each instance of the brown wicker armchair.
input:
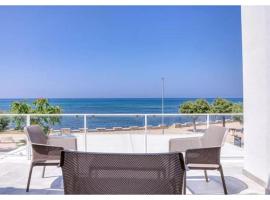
(104, 173)
(203, 153)
(205, 159)
(44, 153)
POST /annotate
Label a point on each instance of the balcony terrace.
(141, 137)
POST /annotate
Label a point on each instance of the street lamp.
(162, 105)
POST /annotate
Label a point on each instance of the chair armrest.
(183, 144)
(46, 152)
(203, 156)
(68, 143)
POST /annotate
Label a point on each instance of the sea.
(113, 106)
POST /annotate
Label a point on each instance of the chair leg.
(206, 176)
(43, 172)
(29, 177)
(185, 183)
(223, 180)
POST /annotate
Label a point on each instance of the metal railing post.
(208, 121)
(85, 131)
(28, 123)
(145, 133)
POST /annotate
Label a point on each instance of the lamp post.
(162, 105)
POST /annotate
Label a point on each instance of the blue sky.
(120, 51)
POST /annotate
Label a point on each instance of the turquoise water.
(115, 105)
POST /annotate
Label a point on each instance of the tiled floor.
(14, 172)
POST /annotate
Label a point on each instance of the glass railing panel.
(115, 134)
(177, 124)
(124, 133)
(234, 123)
(62, 126)
(11, 133)
(161, 129)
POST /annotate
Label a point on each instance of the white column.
(256, 77)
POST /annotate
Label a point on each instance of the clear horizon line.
(119, 97)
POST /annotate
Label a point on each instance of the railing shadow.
(195, 184)
(21, 191)
(198, 185)
(56, 187)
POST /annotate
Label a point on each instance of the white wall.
(256, 76)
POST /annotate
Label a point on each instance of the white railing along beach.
(145, 116)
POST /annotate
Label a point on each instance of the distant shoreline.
(124, 98)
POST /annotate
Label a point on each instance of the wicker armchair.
(203, 153)
(100, 173)
(205, 159)
(44, 153)
(213, 137)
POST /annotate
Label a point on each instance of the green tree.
(221, 106)
(4, 122)
(195, 107)
(238, 108)
(202, 106)
(20, 108)
(40, 106)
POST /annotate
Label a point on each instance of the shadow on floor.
(56, 187)
(21, 191)
(198, 185)
(5, 150)
(195, 184)
(58, 183)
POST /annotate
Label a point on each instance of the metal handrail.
(145, 115)
(126, 114)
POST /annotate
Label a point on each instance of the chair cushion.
(46, 162)
(202, 166)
